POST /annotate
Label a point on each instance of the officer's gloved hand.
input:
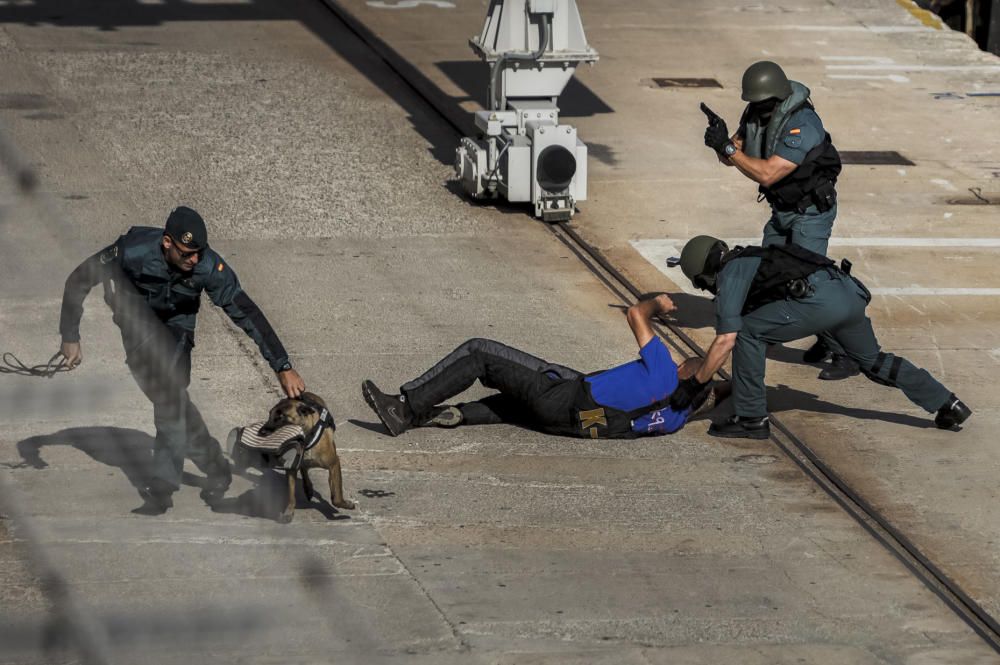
(717, 136)
(684, 394)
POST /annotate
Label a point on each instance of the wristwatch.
(729, 149)
(284, 368)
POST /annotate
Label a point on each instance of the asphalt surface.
(325, 183)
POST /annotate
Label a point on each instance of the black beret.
(187, 227)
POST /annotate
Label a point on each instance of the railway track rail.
(782, 436)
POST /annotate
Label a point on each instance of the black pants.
(159, 358)
(532, 391)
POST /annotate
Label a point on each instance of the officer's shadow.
(128, 450)
(784, 398)
(692, 311)
(131, 451)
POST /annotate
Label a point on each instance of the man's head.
(184, 238)
(701, 260)
(765, 86)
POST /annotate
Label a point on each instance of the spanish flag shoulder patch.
(795, 131)
(222, 266)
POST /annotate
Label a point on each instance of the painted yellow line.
(928, 18)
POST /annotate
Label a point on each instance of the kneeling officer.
(779, 294)
(153, 279)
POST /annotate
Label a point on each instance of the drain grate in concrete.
(874, 157)
(685, 83)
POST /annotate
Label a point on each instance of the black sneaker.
(841, 367)
(817, 353)
(737, 427)
(394, 413)
(444, 416)
(953, 413)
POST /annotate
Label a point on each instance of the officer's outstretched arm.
(721, 347)
(224, 290)
(639, 316)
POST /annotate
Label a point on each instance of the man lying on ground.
(622, 402)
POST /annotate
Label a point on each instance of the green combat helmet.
(694, 257)
(765, 80)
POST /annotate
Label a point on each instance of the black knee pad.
(876, 368)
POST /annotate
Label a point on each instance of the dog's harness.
(286, 446)
(325, 422)
(304, 443)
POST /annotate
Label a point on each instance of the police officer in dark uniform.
(623, 402)
(781, 144)
(153, 279)
(783, 293)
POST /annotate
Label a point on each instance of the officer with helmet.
(153, 279)
(781, 293)
(781, 145)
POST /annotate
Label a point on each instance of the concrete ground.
(325, 184)
(883, 78)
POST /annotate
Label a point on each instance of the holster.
(824, 196)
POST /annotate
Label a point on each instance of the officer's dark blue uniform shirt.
(803, 132)
(640, 383)
(173, 296)
(732, 287)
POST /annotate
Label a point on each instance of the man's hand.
(664, 305)
(717, 136)
(291, 383)
(685, 393)
(71, 353)
(639, 315)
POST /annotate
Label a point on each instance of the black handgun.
(713, 117)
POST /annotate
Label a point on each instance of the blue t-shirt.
(640, 383)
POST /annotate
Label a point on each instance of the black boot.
(392, 410)
(156, 497)
(217, 483)
(737, 427)
(817, 353)
(841, 367)
(954, 412)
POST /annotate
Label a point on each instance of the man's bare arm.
(639, 316)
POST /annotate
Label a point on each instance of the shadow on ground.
(128, 450)
(267, 499)
(784, 398)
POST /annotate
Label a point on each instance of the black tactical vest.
(780, 274)
(811, 183)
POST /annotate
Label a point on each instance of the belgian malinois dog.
(323, 455)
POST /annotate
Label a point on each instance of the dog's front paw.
(345, 504)
(285, 518)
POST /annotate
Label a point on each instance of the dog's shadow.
(376, 427)
(268, 497)
(128, 450)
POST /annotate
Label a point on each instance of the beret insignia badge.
(187, 237)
